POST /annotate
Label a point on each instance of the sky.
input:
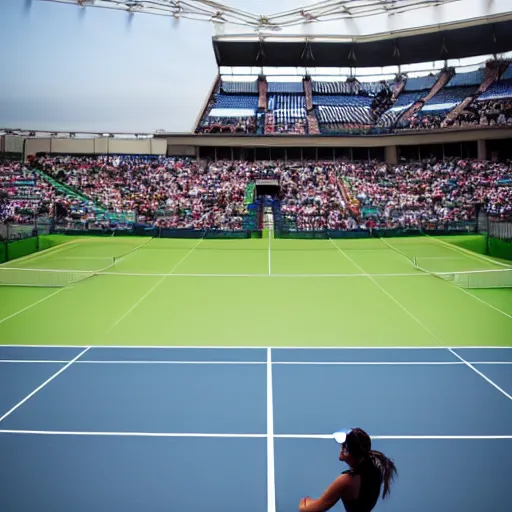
(64, 68)
(61, 70)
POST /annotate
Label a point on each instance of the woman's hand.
(304, 502)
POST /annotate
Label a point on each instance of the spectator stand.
(450, 105)
(286, 108)
(349, 107)
(493, 107)
(233, 108)
(180, 197)
(425, 88)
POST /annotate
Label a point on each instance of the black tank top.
(371, 481)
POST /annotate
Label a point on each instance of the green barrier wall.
(18, 248)
(500, 248)
(480, 244)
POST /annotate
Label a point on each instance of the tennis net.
(474, 279)
(42, 277)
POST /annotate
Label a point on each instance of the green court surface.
(254, 292)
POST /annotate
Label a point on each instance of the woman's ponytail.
(388, 469)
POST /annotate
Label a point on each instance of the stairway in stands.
(443, 78)
(67, 190)
(312, 121)
(269, 123)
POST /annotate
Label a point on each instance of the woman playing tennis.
(359, 487)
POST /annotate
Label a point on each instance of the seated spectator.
(178, 193)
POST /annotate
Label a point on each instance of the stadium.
(229, 230)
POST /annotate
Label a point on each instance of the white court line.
(291, 363)
(481, 374)
(389, 295)
(32, 361)
(269, 256)
(490, 362)
(31, 305)
(483, 301)
(129, 434)
(121, 258)
(245, 436)
(99, 361)
(264, 347)
(371, 363)
(152, 289)
(399, 437)
(386, 243)
(46, 382)
(271, 479)
(462, 289)
(82, 258)
(172, 274)
(466, 252)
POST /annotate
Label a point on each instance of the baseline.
(38, 353)
(368, 355)
(178, 354)
(261, 363)
(276, 347)
(404, 437)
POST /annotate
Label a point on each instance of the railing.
(500, 229)
(12, 231)
(289, 226)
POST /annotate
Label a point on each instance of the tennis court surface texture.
(164, 374)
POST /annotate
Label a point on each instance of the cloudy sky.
(63, 68)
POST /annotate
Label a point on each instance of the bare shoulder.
(348, 485)
(344, 483)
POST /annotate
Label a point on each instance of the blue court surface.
(249, 429)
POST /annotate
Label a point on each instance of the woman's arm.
(339, 488)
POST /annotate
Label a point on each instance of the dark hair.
(359, 444)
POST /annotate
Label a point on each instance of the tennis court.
(148, 374)
(255, 292)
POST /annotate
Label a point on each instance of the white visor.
(340, 436)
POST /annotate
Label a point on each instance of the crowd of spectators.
(241, 125)
(429, 194)
(486, 113)
(166, 192)
(476, 114)
(185, 193)
(421, 121)
(22, 194)
(290, 127)
(311, 197)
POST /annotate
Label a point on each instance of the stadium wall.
(441, 136)
(182, 150)
(98, 146)
(192, 144)
(13, 144)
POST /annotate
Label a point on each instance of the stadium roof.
(230, 11)
(398, 48)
